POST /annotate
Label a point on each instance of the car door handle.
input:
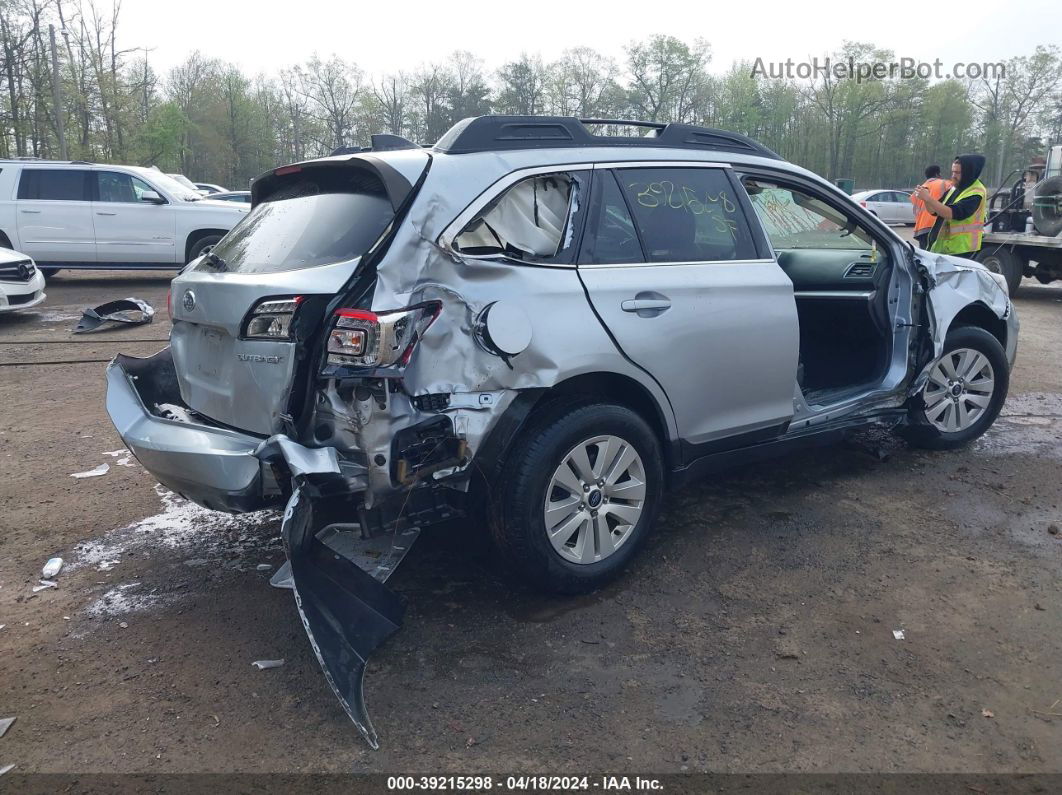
(30, 212)
(647, 304)
(100, 212)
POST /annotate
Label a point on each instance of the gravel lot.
(754, 633)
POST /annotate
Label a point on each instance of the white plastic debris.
(264, 567)
(51, 568)
(102, 469)
(5, 724)
(5, 768)
(261, 665)
(898, 634)
(45, 585)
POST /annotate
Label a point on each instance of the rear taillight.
(862, 204)
(271, 319)
(360, 338)
(169, 303)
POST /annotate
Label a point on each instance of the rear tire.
(966, 389)
(1005, 262)
(574, 539)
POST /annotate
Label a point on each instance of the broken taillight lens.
(271, 319)
(361, 338)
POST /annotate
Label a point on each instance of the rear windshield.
(312, 219)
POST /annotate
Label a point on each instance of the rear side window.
(317, 217)
(613, 239)
(687, 214)
(56, 184)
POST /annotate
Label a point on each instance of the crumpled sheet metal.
(124, 311)
(416, 269)
(346, 611)
(449, 360)
(955, 284)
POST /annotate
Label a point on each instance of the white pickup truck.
(85, 215)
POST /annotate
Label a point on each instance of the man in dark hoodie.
(961, 213)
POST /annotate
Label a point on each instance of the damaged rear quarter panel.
(567, 338)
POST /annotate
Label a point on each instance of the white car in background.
(81, 215)
(891, 206)
(21, 283)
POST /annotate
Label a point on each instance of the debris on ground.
(45, 585)
(51, 568)
(1052, 529)
(124, 311)
(264, 567)
(261, 665)
(988, 713)
(5, 724)
(102, 469)
(5, 768)
(898, 634)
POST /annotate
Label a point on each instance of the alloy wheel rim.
(959, 390)
(594, 499)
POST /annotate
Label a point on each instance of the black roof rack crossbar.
(499, 133)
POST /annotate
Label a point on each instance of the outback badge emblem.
(188, 302)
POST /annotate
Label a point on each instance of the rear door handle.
(30, 212)
(100, 212)
(643, 304)
(647, 304)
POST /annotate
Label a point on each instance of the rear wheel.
(1005, 262)
(577, 496)
(964, 393)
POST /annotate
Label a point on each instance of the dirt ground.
(754, 633)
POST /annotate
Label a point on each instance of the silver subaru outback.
(546, 329)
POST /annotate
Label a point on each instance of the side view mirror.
(152, 197)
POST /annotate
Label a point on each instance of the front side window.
(687, 214)
(532, 221)
(58, 184)
(113, 186)
(318, 217)
(793, 218)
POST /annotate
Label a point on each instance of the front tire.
(964, 393)
(577, 496)
(202, 246)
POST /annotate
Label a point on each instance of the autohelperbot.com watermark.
(862, 71)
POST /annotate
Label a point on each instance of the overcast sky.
(266, 35)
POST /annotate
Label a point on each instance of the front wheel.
(964, 393)
(203, 246)
(577, 496)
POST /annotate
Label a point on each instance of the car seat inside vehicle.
(839, 277)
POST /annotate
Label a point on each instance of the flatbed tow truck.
(1023, 235)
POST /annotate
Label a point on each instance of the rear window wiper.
(216, 261)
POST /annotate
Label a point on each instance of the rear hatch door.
(308, 229)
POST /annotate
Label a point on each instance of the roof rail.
(496, 133)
